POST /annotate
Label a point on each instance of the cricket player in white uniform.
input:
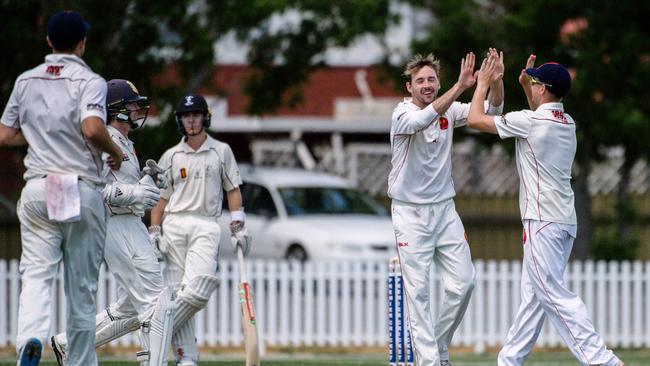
(129, 255)
(57, 108)
(427, 227)
(198, 169)
(545, 148)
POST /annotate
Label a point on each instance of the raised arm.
(524, 80)
(465, 81)
(487, 75)
(495, 96)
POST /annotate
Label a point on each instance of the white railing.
(344, 303)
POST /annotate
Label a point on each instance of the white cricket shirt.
(197, 178)
(421, 142)
(545, 148)
(48, 103)
(129, 172)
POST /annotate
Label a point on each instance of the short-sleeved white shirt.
(198, 178)
(545, 149)
(421, 143)
(129, 172)
(48, 103)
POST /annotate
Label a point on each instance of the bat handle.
(242, 265)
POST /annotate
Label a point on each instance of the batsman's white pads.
(109, 327)
(193, 297)
(123, 195)
(159, 243)
(153, 170)
(142, 356)
(240, 236)
(156, 333)
(184, 345)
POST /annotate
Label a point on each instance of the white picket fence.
(343, 303)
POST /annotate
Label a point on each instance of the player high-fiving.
(545, 142)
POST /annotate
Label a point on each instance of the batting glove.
(160, 247)
(124, 195)
(240, 236)
(146, 204)
(153, 170)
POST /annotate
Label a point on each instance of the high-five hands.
(499, 66)
(488, 73)
(466, 78)
(524, 79)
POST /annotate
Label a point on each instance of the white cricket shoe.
(59, 343)
(445, 363)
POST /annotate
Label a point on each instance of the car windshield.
(327, 200)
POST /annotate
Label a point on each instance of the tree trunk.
(625, 211)
(582, 244)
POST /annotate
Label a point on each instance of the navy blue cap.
(191, 102)
(553, 74)
(120, 92)
(66, 28)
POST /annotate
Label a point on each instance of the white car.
(299, 214)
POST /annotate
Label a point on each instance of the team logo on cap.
(189, 100)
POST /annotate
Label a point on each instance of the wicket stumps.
(400, 350)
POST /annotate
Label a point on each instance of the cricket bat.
(249, 322)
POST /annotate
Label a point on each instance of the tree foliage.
(145, 39)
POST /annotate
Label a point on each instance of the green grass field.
(558, 358)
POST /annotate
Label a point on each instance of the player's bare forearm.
(94, 130)
(524, 81)
(477, 118)
(442, 103)
(10, 136)
(234, 199)
(495, 96)
(157, 212)
(529, 97)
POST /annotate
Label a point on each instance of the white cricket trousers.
(426, 234)
(132, 261)
(193, 251)
(45, 243)
(547, 247)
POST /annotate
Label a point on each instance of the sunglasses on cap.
(534, 81)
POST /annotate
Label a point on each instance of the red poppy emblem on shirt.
(444, 123)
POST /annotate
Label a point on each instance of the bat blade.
(249, 324)
(249, 321)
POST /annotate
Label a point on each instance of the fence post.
(479, 290)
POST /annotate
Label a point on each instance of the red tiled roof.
(319, 92)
